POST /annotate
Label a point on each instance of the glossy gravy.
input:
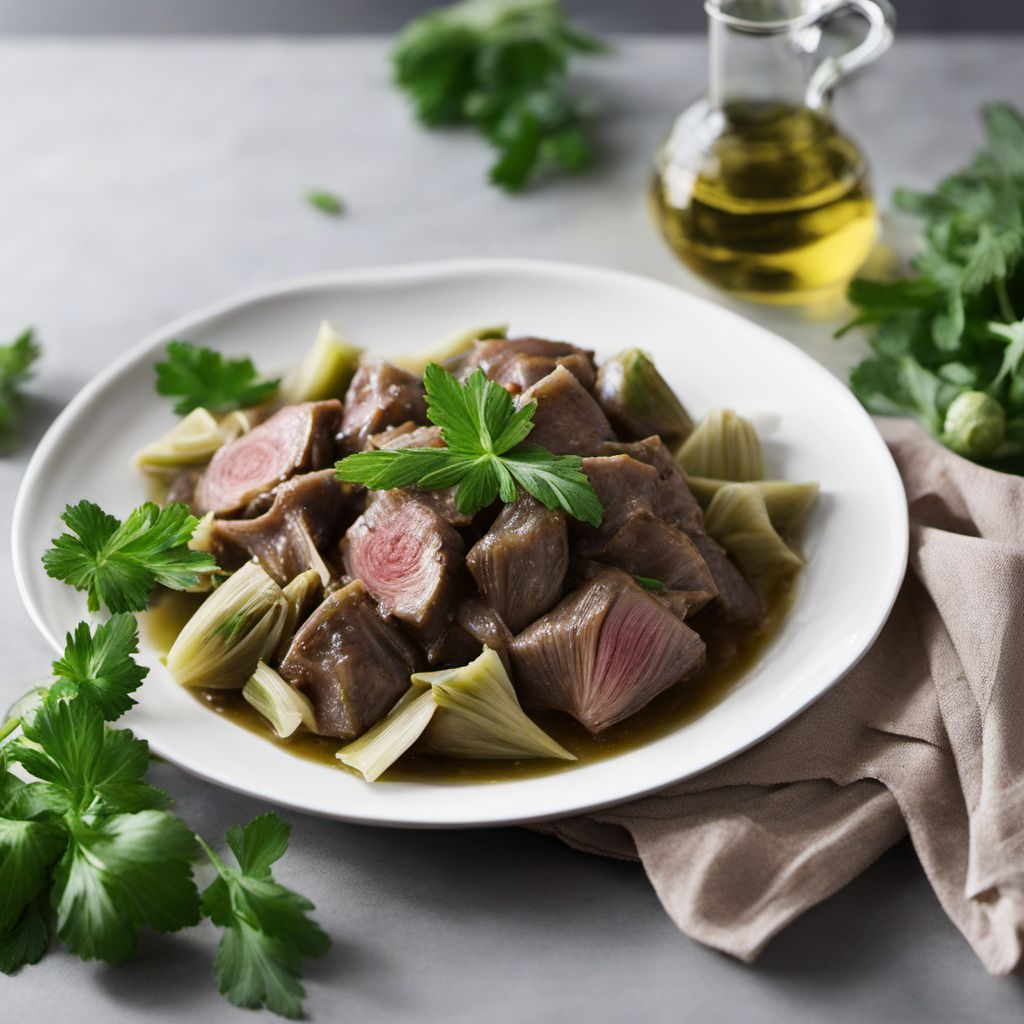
(676, 707)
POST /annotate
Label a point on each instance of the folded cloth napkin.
(925, 735)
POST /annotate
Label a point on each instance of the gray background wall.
(315, 16)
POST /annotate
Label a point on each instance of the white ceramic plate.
(855, 539)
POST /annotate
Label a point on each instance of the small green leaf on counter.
(267, 931)
(17, 361)
(325, 202)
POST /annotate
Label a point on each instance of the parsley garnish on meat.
(201, 378)
(485, 455)
(949, 340)
(500, 65)
(118, 564)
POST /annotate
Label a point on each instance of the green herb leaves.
(199, 377)
(91, 839)
(500, 65)
(100, 666)
(954, 329)
(485, 457)
(326, 202)
(267, 931)
(16, 364)
(118, 564)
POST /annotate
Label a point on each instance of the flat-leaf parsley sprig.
(485, 455)
(200, 377)
(118, 564)
(89, 849)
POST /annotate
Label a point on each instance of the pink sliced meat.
(295, 439)
(604, 652)
(412, 562)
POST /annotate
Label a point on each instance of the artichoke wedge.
(723, 446)
(738, 519)
(326, 372)
(280, 704)
(467, 712)
(454, 345)
(786, 502)
(236, 626)
(638, 400)
(302, 595)
(191, 443)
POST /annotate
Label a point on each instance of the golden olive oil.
(776, 208)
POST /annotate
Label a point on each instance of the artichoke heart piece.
(639, 401)
(466, 712)
(326, 372)
(237, 625)
(191, 443)
(301, 594)
(723, 446)
(786, 502)
(450, 347)
(280, 704)
(738, 519)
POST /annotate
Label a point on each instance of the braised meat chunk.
(350, 662)
(307, 517)
(567, 420)
(412, 562)
(380, 396)
(604, 652)
(519, 564)
(518, 363)
(296, 439)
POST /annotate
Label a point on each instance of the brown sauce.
(677, 706)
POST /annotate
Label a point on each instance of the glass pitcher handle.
(881, 19)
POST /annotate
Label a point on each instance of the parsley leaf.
(952, 328)
(27, 940)
(124, 872)
(118, 564)
(87, 767)
(27, 851)
(325, 202)
(99, 666)
(199, 377)
(485, 457)
(16, 364)
(267, 933)
(500, 65)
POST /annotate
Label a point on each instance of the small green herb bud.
(975, 425)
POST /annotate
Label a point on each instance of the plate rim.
(422, 270)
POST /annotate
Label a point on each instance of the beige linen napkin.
(925, 735)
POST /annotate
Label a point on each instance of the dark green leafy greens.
(17, 361)
(88, 848)
(500, 65)
(118, 564)
(949, 341)
(267, 931)
(485, 455)
(199, 377)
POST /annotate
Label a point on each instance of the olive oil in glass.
(756, 189)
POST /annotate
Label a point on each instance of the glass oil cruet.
(755, 188)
